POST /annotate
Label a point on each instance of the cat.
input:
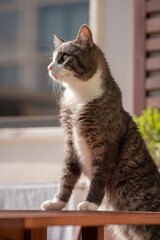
(101, 138)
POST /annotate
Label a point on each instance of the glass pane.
(43, 81)
(8, 32)
(62, 20)
(8, 1)
(9, 76)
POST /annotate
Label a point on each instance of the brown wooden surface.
(153, 25)
(153, 83)
(153, 44)
(153, 6)
(146, 54)
(36, 234)
(139, 56)
(40, 219)
(8, 222)
(153, 64)
(32, 225)
(12, 233)
(152, 80)
(93, 233)
(100, 232)
(153, 102)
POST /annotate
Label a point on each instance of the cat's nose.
(50, 67)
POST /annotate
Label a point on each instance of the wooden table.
(32, 225)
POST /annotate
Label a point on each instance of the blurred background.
(128, 32)
(31, 139)
(26, 46)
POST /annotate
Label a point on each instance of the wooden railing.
(32, 225)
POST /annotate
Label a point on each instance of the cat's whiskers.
(58, 87)
(48, 47)
(50, 82)
(63, 76)
(56, 84)
(54, 88)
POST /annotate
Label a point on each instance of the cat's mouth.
(58, 76)
(53, 75)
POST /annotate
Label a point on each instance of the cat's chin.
(53, 76)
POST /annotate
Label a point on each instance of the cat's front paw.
(85, 205)
(54, 204)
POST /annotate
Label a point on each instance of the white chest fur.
(77, 94)
(83, 153)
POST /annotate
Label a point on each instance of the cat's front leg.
(96, 191)
(55, 204)
(86, 205)
(71, 173)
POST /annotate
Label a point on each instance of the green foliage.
(149, 126)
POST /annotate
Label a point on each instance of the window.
(26, 45)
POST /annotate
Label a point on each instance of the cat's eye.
(64, 57)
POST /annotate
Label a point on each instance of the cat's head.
(74, 60)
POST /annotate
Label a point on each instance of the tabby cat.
(101, 139)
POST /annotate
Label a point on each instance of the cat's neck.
(79, 93)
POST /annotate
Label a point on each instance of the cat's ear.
(85, 36)
(57, 41)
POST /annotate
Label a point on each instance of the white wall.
(31, 155)
(116, 30)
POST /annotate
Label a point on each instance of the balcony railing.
(32, 225)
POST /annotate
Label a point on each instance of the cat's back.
(136, 176)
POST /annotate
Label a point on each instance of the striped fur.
(101, 139)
